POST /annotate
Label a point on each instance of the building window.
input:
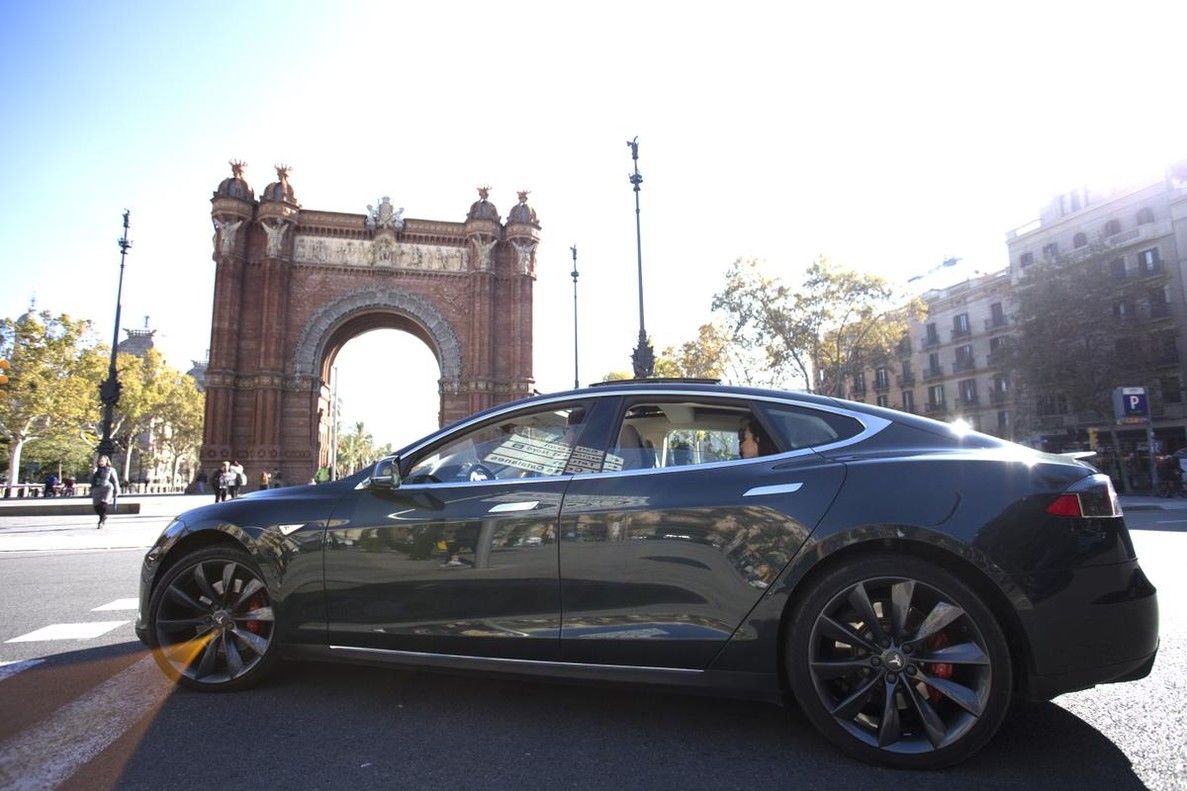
(859, 383)
(1112, 227)
(908, 400)
(964, 357)
(960, 325)
(1050, 250)
(935, 396)
(1166, 348)
(1122, 309)
(1145, 215)
(1001, 385)
(1003, 423)
(996, 342)
(881, 378)
(997, 315)
(1026, 259)
(883, 400)
(1172, 391)
(1148, 261)
(906, 368)
(933, 334)
(1051, 405)
(904, 346)
(1159, 308)
(1117, 268)
(933, 364)
(968, 391)
(1080, 240)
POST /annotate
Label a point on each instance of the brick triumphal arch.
(292, 286)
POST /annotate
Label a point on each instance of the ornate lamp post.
(576, 379)
(642, 358)
(109, 390)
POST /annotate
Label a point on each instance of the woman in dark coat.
(105, 488)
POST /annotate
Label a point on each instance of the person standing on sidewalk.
(105, 489)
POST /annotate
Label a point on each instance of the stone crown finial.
(237, 166)
(484, 192)
(523, 195)
(282, 173)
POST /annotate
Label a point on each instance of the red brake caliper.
(938, 669)
(254, 603)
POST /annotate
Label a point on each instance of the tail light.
(1092, 497)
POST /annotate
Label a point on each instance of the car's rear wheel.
(211, 622)
(898, 662)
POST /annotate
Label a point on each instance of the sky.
(887, 137)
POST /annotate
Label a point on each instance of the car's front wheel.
(898, 662)
(211, 622)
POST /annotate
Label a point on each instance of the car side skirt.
(756, 686)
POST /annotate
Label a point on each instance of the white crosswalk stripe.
(45, 755)
(119, 604)
(69, 631)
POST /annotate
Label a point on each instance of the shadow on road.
(340, 726)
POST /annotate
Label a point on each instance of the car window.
(527, 445)
(800, 427)
(657, 434)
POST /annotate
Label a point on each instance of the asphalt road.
(96, 713)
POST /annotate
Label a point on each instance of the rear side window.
(808, 428)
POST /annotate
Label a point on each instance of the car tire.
(211, 623)
(897, 662)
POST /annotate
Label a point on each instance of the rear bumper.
(1088, 626)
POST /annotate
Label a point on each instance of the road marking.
(69, 631)
(51, 751)
(12, 668)
(119, 604)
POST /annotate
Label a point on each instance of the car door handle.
(779, 488)
(504, 508)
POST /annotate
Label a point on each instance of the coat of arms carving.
(385, 216)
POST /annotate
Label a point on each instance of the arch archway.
(292, 286)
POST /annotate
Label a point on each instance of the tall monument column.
(232, 208)
(523, 234)
(277, 218)
(484, 232)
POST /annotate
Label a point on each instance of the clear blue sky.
(887, 137)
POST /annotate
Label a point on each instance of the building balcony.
(999, 397)
(967, 364)
(930, 341)
(906, 380)
(1156, 311)
(957, 334)
(996, 323)
(908, 408)
(882, 385)
(968, 401)
(933, 373)
(935, 410)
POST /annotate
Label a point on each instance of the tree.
(837, 322)
(178, 429)
(145, 381)
(705, 357)
(52, 389)
(1084, 329)
(355, 450)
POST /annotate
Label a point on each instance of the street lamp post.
(576, 379)
(109, 389)
(642, 358)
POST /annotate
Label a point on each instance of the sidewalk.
(52, 531)
(1145, 502)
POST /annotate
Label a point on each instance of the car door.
(665, 550)
(461, 557)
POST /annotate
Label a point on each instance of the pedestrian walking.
(222, 480)
(239, 481)
(105, 489)
(265, 477)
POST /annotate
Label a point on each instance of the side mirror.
(386, 476)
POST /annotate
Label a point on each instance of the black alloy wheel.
(211, 621)
(898, 662)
